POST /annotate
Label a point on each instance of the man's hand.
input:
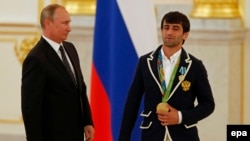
(89, 133)
(168, 118)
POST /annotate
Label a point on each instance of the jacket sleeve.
(87, 115)
(86, 110)
(205, 101)
(132, 105)
(31, 98)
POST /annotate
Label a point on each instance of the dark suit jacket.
(53, 108)
(146, 82)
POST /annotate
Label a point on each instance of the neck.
(50, 36)
(168, 51)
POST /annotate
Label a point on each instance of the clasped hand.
(168, 118)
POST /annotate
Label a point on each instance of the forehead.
(172, 24)
(61, 13)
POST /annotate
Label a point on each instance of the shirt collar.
(173, 58)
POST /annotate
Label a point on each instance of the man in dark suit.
(170, 80)
(55, 106)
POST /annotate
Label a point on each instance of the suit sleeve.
(86, 111)
(204, 96)
(87, 115)
(132, 105)
(32, 98)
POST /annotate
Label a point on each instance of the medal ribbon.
(166, 90)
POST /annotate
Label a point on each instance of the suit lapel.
(185, 64)
(55, 60)
(152, 66)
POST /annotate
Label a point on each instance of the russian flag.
(124, 30)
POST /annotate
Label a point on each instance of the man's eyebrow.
(177, 26)
(174, 25)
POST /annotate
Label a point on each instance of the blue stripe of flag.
(115, 59)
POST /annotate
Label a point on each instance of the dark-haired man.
(170, 79)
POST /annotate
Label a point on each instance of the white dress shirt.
(168, 67)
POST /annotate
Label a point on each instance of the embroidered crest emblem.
(185, 85)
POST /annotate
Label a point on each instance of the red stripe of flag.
(101, 114)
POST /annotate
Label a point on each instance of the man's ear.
(47, 22)
(185, 35)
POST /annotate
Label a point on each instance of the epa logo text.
(239, 133)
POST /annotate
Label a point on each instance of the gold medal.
(162, 107)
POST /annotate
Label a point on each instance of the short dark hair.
(177, 17)
(48, 12)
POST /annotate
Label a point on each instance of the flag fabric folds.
(124, 30)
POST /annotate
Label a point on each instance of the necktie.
(66, 64)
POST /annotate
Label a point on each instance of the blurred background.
(220, 37)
